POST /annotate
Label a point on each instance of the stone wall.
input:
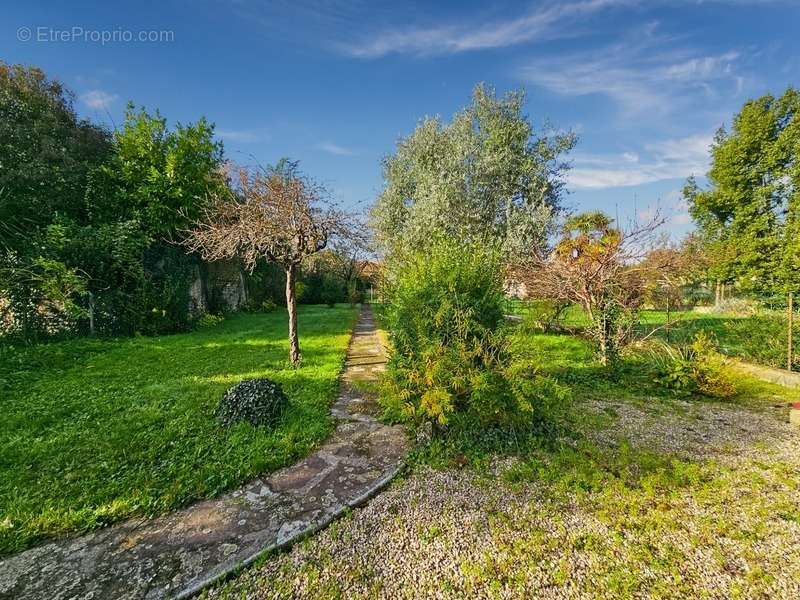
(218, 285)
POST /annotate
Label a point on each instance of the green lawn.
(94, 431)
(759, 338)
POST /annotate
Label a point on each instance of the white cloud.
(703, 67)
(241, 135)
(98, 99)
(543, 23)
(630, 156)
(669, 159)
(643, 75)
(334, 149)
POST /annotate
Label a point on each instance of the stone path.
(180, 553)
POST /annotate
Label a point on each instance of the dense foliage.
(445, 315)
(694, 369)
(332, 277)
(487, 177)
(750, 215)
(48, 156)
(88, 217)
(92, 223)
(255, 401)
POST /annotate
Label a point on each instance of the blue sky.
(644, 83)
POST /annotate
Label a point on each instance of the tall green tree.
(158, 176)
(144, 198)
(47, 155)
(748, 215)
(788, 147)
(487, 176)
(86, 217)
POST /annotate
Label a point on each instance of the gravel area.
(730, 529)
(727, 433)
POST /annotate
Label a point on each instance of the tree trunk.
(603, 349)
(91, 313)
(291, 307)
(602, 335)
(789, 349)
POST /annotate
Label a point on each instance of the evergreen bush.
(445, 314)
(255, 401)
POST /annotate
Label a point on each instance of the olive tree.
(487, 176)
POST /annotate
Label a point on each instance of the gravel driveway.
(729, 527)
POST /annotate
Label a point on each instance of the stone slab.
(769, 374)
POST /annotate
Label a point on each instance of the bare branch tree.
(350, 253)
(277, 214)
(601, 268)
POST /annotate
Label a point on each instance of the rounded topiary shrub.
(256, 401)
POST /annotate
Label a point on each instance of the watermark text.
(77, 34)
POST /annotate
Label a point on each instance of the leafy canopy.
(161, 177)
(485, 177)
(46, 156)
(84, 214)
(750, 215)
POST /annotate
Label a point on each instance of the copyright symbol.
(24, 34)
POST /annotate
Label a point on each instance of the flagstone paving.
(180, 553)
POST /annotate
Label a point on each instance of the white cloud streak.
(669, 159)
(98, 99)
(541, 24)
(243, 136)
(547, 21)
(637, 75)
(334, 149)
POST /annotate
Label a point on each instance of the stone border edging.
(197, 588)
(769, 374)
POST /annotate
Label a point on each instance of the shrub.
(445, 314)
(260, 306)
(332, 291)
(696, 369)
(447, 293)
(762, 338)
(168, 275)
(543, 315)
(209, 320)
(300, 291)
(442, 379)
(267, 283)
(256, 401)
